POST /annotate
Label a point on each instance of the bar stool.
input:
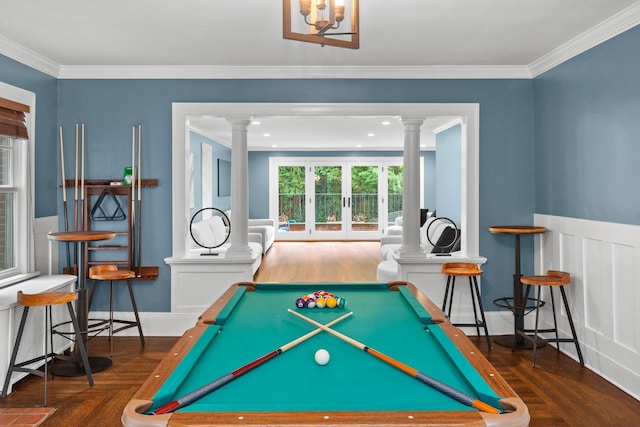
(47, 299)
(472, 271)
(103, 273)
(552, 279)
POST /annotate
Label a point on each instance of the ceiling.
(243, 39)
(321, 133)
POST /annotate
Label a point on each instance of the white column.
(411, 189)
(239, 247)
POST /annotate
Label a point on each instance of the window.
(7, 212)
(16, 188)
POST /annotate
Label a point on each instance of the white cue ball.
(322, 357)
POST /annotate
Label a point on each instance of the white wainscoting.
(33, 337)
(604, 296)
(46, 252)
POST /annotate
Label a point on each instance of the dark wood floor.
(558, 392)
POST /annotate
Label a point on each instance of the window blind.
(12, 119)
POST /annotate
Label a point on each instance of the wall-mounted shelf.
(107, 206)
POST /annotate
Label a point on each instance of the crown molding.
(28, 57)
(617, 24)
(293, 72)
(602, 32)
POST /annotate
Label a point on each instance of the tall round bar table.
(97, 364)
(518, 306)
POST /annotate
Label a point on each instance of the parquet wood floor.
(558, 392)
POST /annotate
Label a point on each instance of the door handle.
(343, 202)
(349, 202)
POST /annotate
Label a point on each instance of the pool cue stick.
(82, 215)
(214, 385)
(132, 212)
(430, 381)
(75, 197)
(75, 207)
(64, 197)
(139, 211)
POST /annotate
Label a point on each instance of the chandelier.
(325, 22)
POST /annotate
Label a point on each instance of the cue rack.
(106, 205)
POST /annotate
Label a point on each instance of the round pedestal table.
(515, 303)
(97, 364)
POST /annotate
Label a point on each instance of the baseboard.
(154, 324)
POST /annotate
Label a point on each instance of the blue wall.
(448, 170)
(583, 162)
(47, 146)
(506, 132)
(110, 107)
(430, 179)
(219, 151)
(587, 134)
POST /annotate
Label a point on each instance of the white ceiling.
(243, 39)
(321, 133)
(232, 33)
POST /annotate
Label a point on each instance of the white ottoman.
(387, 271)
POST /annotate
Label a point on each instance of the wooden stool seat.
(461, 269)
(112, 275)
(472, 271)
(110, 272)
(553, 279)
(47, 300)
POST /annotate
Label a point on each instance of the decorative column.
(411, 189)
(239, 247)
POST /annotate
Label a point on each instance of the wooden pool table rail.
(134, 414)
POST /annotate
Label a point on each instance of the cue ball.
(322, 357)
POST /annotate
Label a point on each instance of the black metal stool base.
(508, 339)
(522, 344)
(70, 368)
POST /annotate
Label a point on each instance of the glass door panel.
(329, 200)
(394, 193)
(291, 199)
(364, 199)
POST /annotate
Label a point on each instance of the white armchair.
(266, 228)
(395, 229)
(390, 244)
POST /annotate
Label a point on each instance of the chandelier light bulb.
(339, 10)
(305, 7)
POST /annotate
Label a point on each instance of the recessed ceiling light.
(274, 145)
(358, 145)
(371, 134)
(386, 123)
(266, 135)
(255, 122)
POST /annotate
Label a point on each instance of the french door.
(328, 199)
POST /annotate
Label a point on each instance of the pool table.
(251, 319)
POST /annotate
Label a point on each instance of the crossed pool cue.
(430, 381)
(216, 384)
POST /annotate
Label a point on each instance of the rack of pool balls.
(321, 299)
